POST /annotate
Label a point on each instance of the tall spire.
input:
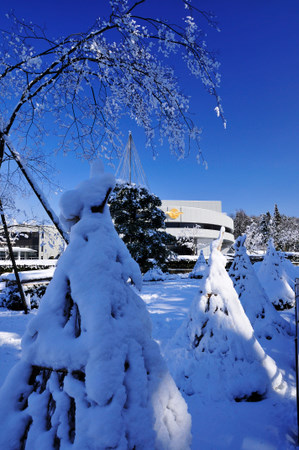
(130, 169)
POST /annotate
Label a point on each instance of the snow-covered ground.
(30, 275)
(266, 425)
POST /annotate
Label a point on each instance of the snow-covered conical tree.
(291, 272)
(264, 318)
(90, 375)
(199, 268)
(273, 278)
(154, 274)
(216, 352)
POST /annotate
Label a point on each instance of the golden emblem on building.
(174, 213)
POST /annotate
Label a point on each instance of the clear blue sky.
(254, 163)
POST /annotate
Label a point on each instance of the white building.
(198, 220)
(32, 242)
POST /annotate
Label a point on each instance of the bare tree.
(86, 82)
(82, 85)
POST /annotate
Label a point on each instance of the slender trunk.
(130, 157)
(2, 145)
(39, 194)
(12, 258)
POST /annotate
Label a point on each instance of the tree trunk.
(14, 265)
(38, 193)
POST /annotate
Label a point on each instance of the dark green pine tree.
(277, 228)
(265, 228)
(140, 222)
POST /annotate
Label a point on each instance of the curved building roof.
(200, 220)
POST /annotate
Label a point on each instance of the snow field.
(216, 424)
(91, 375)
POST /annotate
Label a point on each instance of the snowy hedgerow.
(199, 268)
(154, 274)
(215, 353)
(264, 318)
(90, 375)
(274, 279)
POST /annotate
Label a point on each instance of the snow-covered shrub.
(264, 318)
(199, 268)
(91, 376)
(154, 274)
(274, 279)
(10, 297)
(36, 293)
(215, 353)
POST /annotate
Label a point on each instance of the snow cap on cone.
(217, 243)
(89, 197)
(240, 242)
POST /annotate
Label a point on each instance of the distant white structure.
(200, 221)
(19, 253)
(32, 242)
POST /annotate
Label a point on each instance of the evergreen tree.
(199, 267)
(215, 353)
(254, 238)
(283, 229)
(139, 221)
(91, 376)
(288, 238)
(277, 228)
(276, 217)
(241, 222)
(154, 274)
(285, 232)
(274, 279)
(265, 228)
(264, 319)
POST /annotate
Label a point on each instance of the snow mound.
(273, 277)
(90, 375)
(199, 268)
(215, 353)
(154, 274)
(264, 318)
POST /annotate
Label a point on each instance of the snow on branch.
(87, 82)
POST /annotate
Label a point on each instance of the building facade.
(32, 242)
(196, 221)
(199, 221)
